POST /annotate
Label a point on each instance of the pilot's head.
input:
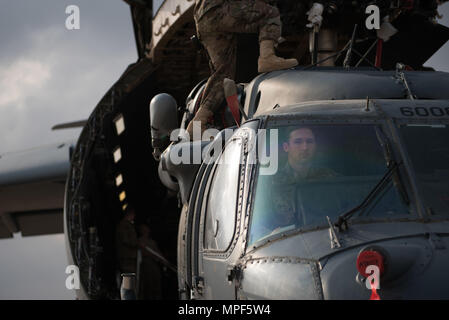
(300, 147)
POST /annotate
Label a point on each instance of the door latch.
(199, 284)
(234, 272)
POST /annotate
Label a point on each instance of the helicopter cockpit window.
(428, 147)
(222, 199)
(322, 171)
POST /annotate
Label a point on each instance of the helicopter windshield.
(322, 171)
(428, 148)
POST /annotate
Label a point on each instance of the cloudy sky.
(50, 75)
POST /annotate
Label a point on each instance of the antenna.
(314, 49)
(349, 49)
(366, 54)
(349, 52)
(400, 75)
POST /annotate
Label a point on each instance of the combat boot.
(268, 61)
(202, 116)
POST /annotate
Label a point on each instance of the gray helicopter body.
(220, 254)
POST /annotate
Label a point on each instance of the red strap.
(378, 63)
(233, 104)
(374, 295)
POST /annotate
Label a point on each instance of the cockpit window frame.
(396, 144)
(202, 211)
(396, 129)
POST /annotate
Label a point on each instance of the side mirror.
(163, 120)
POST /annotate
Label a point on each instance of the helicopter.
(234, 242)
(252, 227)
(305, 225)
(216, 218)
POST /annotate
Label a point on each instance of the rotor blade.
(68, 125)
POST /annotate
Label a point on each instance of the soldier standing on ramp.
(217, 23)
(151, 275)
(127, 242)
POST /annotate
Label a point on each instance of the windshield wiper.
(389, 158)
(383, 182)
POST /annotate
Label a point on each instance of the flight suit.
(217, 23)
(282, 200)
(283, 196)
(127, 245)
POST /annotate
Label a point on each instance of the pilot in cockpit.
(289, 203)
(301, 166)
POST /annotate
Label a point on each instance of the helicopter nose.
(407, 269)
(284, 278)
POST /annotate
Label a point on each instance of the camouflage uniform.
(217, 23)
(276, 204)
(283, 198)
(127, 245)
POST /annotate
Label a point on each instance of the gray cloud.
(34, 268)
(54, 75)
(50, 75)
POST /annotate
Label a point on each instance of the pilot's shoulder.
(322, 172)
(281, 176)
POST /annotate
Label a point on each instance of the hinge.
(234, 272)
(198, 284)
(436, 241)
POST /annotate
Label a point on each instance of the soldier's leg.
(222, 52)
(249, 16)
